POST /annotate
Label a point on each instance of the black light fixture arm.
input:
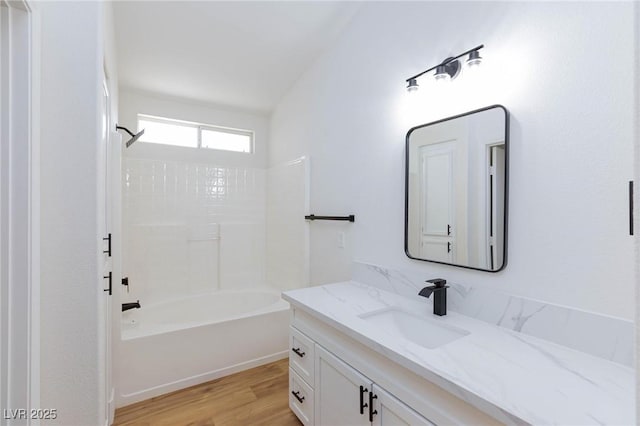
(445, 62)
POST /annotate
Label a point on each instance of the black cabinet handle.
(372, 412)
(449, 247)
(110, 277)
(298, 352)
(448, 229)
(298, 397)
(108, 250)
(363, 404)
(630, 207)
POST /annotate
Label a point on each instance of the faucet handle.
(438, 282)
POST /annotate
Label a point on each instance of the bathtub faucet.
(134, 305)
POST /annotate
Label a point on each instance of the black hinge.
(108, 250)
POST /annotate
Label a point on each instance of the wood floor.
(254, 397)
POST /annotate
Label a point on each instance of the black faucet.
(133, 305)
(440, 296)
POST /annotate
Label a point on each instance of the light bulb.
(474, 59)
(412, 86)
(441, 74)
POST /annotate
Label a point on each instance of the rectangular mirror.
(456, 190)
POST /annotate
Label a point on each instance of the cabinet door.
(389, 411)
(340, 392)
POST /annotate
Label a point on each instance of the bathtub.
(173, 345)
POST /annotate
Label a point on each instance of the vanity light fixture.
(448, 69)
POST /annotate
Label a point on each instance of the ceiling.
(243, 54)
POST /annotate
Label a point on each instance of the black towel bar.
(350, 218)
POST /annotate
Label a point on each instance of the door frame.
(488, 199)
(20, 210)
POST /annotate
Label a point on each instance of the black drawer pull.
(372, 412)
(298, 397)
(298, 352)
(363, 404)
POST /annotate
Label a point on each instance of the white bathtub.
(173, 345)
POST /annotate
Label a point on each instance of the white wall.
(287, 233)
(572, 119)
(71, 77)
(636, 207)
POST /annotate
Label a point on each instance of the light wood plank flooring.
(254, 397)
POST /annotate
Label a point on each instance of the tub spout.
(134, 305)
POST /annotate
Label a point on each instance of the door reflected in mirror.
(456, 190)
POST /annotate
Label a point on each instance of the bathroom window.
(194, 135)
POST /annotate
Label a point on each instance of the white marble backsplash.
(599, 335)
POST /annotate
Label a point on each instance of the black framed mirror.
(456, 181)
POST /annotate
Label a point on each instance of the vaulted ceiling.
(243, 54)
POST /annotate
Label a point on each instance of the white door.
(496, 194)
(437, 201)
(341, 393)
(109, 280)
(389, 411)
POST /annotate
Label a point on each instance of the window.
(194, 135)
(225, 139)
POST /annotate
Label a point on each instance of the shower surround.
(192, 228)
(196, 253)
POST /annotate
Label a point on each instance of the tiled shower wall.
(191, 228)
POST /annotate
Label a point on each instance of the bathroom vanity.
(360, 355)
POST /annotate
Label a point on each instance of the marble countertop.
(520, 378)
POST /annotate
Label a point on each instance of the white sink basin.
(421, 331)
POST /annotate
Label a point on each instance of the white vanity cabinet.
(341, 392)
(346, 397)
(335, 380)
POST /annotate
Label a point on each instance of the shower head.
(134, 137)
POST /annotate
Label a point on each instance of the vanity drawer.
(300, 398)
(301, 355)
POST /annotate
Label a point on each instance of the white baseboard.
(127, 399)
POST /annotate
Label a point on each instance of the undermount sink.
(424, 332)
